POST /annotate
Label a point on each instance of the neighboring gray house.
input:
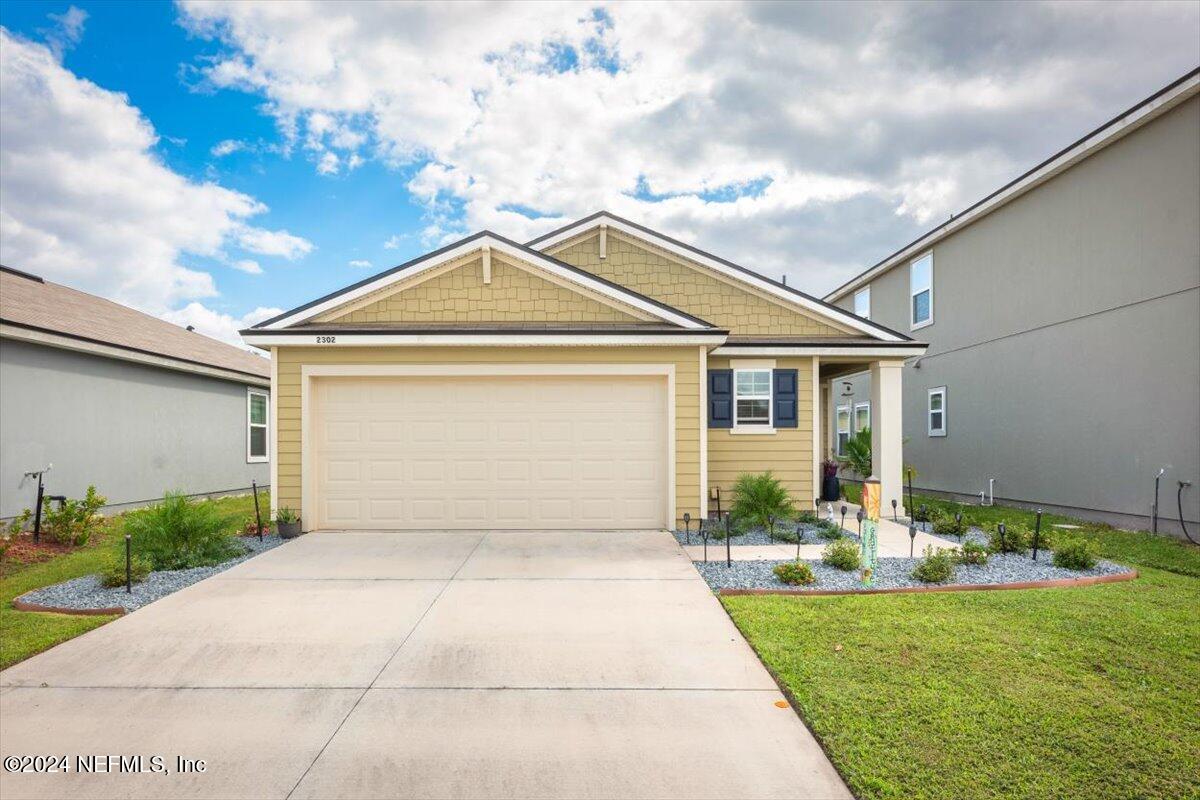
(1062, 314)
(119, 399)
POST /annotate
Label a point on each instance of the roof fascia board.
(91, 347)
(718, 265)
(264, 338)
(906, 351)
(1090, 144)
(510, 249)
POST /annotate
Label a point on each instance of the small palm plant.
(857, 453)
(760, 500)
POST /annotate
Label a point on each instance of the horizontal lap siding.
(787, 453)
(687, 396)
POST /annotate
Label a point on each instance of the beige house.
(601, 376)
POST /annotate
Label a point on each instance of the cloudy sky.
(213, 162)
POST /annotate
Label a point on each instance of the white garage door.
(490, 452)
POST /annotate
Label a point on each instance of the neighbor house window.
(256, 425)
(843, 428)
(862, 416)
(862, 302)
(920, 285)
(937, 411)
(752, 397)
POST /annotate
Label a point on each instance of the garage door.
(490, 452)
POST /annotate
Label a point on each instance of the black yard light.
(843, 516)
(912, 538)
(910, 500)
(924, 515)
(687, 524)
(799, 539)
(860, 516)
(704, 531)
(894, 518)
(728, 543)
(771, 528)
(128, 566)
(1037, 533)
(958, 525)
(257, 513)
(716, 494)
(1001, 529)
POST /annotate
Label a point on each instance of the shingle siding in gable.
(460, 295)
(690, 289)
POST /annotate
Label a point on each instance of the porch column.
(887, 435)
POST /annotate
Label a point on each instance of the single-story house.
(601, 376)
(116, 398)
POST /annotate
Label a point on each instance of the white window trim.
(941, 392)
(912, 323)
(866, 290)
(755, 427)
(837, 430)
(854, 416)
(266, 426)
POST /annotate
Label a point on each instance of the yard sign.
(869, 547)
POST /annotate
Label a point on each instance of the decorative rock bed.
(896, 573)
(784, 534)
(86, 594)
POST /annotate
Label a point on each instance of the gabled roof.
(761, 282)
(1116, 128)
(471, 244)
(32, 305)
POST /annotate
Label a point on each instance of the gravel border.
(895, 573)
(86, 593)
(759, 536)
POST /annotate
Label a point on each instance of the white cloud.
(393, 242)
(67, 30)
(227, 147)
(247, 265)
(810, 137)
(87, 201)
(220, 326)
(360, 263)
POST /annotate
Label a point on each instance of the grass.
(25, 633)
(1044, 693)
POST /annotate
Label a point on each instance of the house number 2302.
(326, 339)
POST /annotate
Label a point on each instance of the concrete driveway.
(515, 664)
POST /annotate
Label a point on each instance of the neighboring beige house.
(601, 376)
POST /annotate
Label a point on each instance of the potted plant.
(830, 489)
(288, 523)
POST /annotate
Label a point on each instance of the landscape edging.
(1054, 583)
(21, 605)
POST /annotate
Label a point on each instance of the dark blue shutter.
(784, 392)
(720, 398)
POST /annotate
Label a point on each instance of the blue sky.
(211, 163)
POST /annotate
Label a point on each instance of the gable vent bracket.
(603, 241)
(487, 265)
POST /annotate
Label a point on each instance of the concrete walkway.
(447, 665)
(893, 540)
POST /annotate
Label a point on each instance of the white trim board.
(771, 288)
(310, 371)
(1098, 140)
(734, 351)
(121, 354)
(268, 339)
(497, 245)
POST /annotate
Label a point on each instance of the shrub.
(758, 498)
(795, 572)
(1016, 539)
(936, 567)
(829, 531)
(113, 573)
(947, 525)
(807, 518)
(1077, 554)
(17, 524)
(972, 553)
(715, 528)
(857, 453)
(285, 514)
(75, 520)
(842, 554)
(921, 514)
(179, 533)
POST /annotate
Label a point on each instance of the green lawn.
(1073, 693)
(23, 634)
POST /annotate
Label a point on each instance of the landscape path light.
(128, 566)
(912, 538)
(687, 522)
(728, 551)
(860, 516)
(1037, 533)
(894, 518)
(1001, 529)
(843, 515)
(958, 525)
(771, 528)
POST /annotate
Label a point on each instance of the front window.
(920, 278)
(752, 397)
(256, 425)
(937, 411)
(862, 302)
(843, 428)
(862, 416)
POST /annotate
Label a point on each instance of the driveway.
(514, 664)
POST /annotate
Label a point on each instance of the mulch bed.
(22, 549)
